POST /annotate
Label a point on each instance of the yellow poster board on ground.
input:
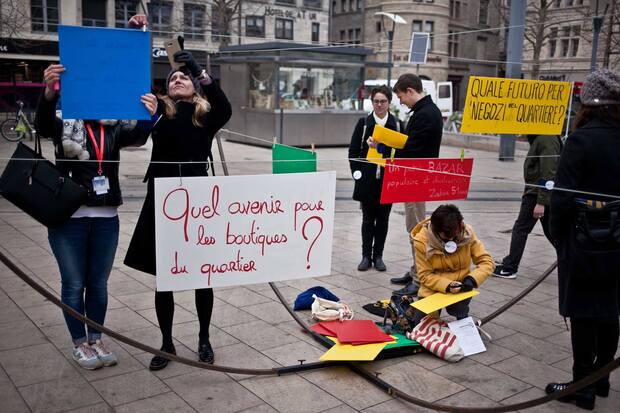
(515, 106)
(349, 352)
(438, 301)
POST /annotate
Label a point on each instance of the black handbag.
(595, 242)
(39, 188)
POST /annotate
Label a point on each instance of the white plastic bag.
(327, 310)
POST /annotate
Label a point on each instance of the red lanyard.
(98, 148)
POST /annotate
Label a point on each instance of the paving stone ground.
(530, 345)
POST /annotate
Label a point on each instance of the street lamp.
(396, 19)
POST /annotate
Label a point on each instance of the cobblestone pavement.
(250, 328)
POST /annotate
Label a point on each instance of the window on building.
(569, 40)
(483, 13)
(378, 27)
(564, 48)
(315, 32)
(93, 13)
(123, 10)
(161, 18)
(44, 15)
(358, 35)
(350, 32)
(284, 29)
(416, 26)
(429, 27)
(553, 39)
(315, 4)
(455, 9)
(194, 21)
(481, 48)
(359, 5)
(351, 5)
(255, 26)
(342, 36)
(569, 3)
(343, 6)
(558, 3)
(334, 4)
(453, 44)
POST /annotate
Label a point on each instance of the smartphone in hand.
(172, 46)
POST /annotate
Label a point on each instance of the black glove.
(192, 65)
(468, 284)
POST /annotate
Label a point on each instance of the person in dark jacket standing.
(193, 110)
(369, 180)
(85, 246)
(424, 131)
(538, 169)
(587, 186)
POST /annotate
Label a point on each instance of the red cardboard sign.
(415, 180)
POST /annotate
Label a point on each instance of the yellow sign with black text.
(515, 106)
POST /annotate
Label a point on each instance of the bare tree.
(610, 33)
(14, 16)
(538, 24)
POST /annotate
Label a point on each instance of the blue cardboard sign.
(106, 72)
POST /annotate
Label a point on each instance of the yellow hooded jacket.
(437, 269)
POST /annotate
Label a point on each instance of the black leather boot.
(405, 279)
(379, 264)
(364, 264)
(205, 352)
(602, 387)
(158, 362)
(583, 398)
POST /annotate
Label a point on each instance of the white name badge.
(101, 185)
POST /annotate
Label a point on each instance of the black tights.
(164, 307)
(594, 344)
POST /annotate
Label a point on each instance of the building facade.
(566, 51)
(461, 42)
(29, 39)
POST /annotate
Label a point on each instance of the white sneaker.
(86, 357)
(104, 354)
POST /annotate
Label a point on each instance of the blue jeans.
(85, 249)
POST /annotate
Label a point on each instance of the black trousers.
(164, 308)
(375, 220)
(521, 229)
(594, 344)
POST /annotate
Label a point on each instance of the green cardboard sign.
(287, 159)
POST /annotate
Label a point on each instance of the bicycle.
(17, 128)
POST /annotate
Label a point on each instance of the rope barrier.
(124, 339)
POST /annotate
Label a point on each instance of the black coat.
(424, 131)
(175, 140)
(368, 187)
(115, 137)
(590, 161)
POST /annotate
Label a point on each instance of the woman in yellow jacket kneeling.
(445, 249)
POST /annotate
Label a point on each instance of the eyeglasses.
(379, 102)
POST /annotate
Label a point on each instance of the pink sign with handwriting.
(236, 230)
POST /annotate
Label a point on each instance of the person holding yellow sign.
(424, 131)
(369, 179)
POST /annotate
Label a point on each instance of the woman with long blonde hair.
(192, 111)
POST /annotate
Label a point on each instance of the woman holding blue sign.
(85, 246)
(192, 111)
